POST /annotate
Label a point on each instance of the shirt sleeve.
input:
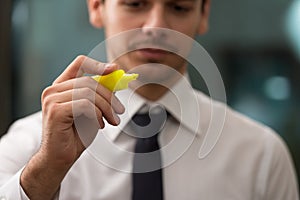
(12, 189)
(16, 148)
(280, 181)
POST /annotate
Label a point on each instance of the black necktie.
(147, 176)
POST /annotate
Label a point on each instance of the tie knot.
(149, 123)
(142, 119)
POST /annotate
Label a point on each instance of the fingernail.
(117, 119)
(119, 108)
(107, 66)
(110, 65)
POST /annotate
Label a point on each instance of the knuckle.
(46, 102)
(46, 92)
(53, 110)
(87, 93)
(80, 58)
(85, 104)
(87, 79)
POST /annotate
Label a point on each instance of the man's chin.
(154, 73)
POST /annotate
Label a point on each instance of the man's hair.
(202, 6)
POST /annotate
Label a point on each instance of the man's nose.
(156, 22)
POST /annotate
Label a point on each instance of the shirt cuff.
(12, 188)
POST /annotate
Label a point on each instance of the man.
(44, 156)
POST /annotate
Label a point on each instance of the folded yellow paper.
(115, 81)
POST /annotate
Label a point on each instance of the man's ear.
(203, 28)
(95, 15)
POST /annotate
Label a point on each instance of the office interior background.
(255, 44)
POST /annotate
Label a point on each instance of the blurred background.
(255, 44)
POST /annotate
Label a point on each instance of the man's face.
(151, 18)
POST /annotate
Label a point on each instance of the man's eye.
(134, 4)
(180, 8)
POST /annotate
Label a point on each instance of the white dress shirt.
(214, 153)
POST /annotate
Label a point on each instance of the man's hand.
(71, 97)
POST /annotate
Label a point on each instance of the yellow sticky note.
(115, 81)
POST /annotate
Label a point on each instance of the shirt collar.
(180, 101)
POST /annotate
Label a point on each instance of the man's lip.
(152, 53)
(153, 50)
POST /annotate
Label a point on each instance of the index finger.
(83, 64)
